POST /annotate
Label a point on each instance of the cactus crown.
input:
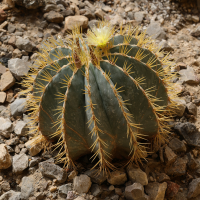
(104, 92)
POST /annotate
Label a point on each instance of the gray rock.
(18, 67)
(20, 163)
(189, 132)
(5, 125)
(21, 128)
(27, 187)
(49, 169)
(139, 16)
(34, 161)
(33, 4)
(192, 108)
(165, 46)
(11, 28)
(96, 177)
(176, 145)
(82, 183)
(194, 188)
(54, 17)
(156, 190)
(117, 178)
(5, 158)
(96, 190)
(24, 44)
(188, 76)
(18, 107)
(136, 175)
(156, 31)
(196, 32)
(11, 195)
(115, 20)
(135, 191)
(63, 189)
(50, 7)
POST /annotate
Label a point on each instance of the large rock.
(156, 191)
(20, 163)
(72, 21)
(33, 4)
(82, 183)
(188, 76)
(11, 195)
(135, 191)
(136, 175)
(18, 107)
(139, 16)
(189, 132)
(7, 81)
(194, 188)
(34, 146)
(21, 128)
(170, 156)
(156, 31)
(196, 32)
(50, 170)
(27, 187)
(18, 67)
(178, 168)
(5, 158)
(176, 145)
(54, 17)
(24, 44)
(5, 125)
(117, 178)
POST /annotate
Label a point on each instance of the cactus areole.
(104, 93)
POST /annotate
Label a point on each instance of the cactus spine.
(104, 93)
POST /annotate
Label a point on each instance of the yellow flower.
(99, 36)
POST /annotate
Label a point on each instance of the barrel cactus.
(105, 92)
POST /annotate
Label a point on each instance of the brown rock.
(170, 156)
(172, 189)
(2, 97)
(134, 191)
(100, 14)
(12, 40)
(7, 81)
(5, 158)
(156, 191)
(3, 16)
(9, 96)
(194, 188)
(72, 21)
(54, 17)
(117, 178)
(178, 168)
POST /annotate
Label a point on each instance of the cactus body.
(103, 94)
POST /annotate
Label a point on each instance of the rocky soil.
(171, 173)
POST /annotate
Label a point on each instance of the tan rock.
(72, 21)
(5, 158)
(100, 13)
(2, 69)
(7, 81)
(156, 191)
(34, 146)
(9, 96)
(2, 97)
(136, 175)
(117, 178)
(3, 25)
